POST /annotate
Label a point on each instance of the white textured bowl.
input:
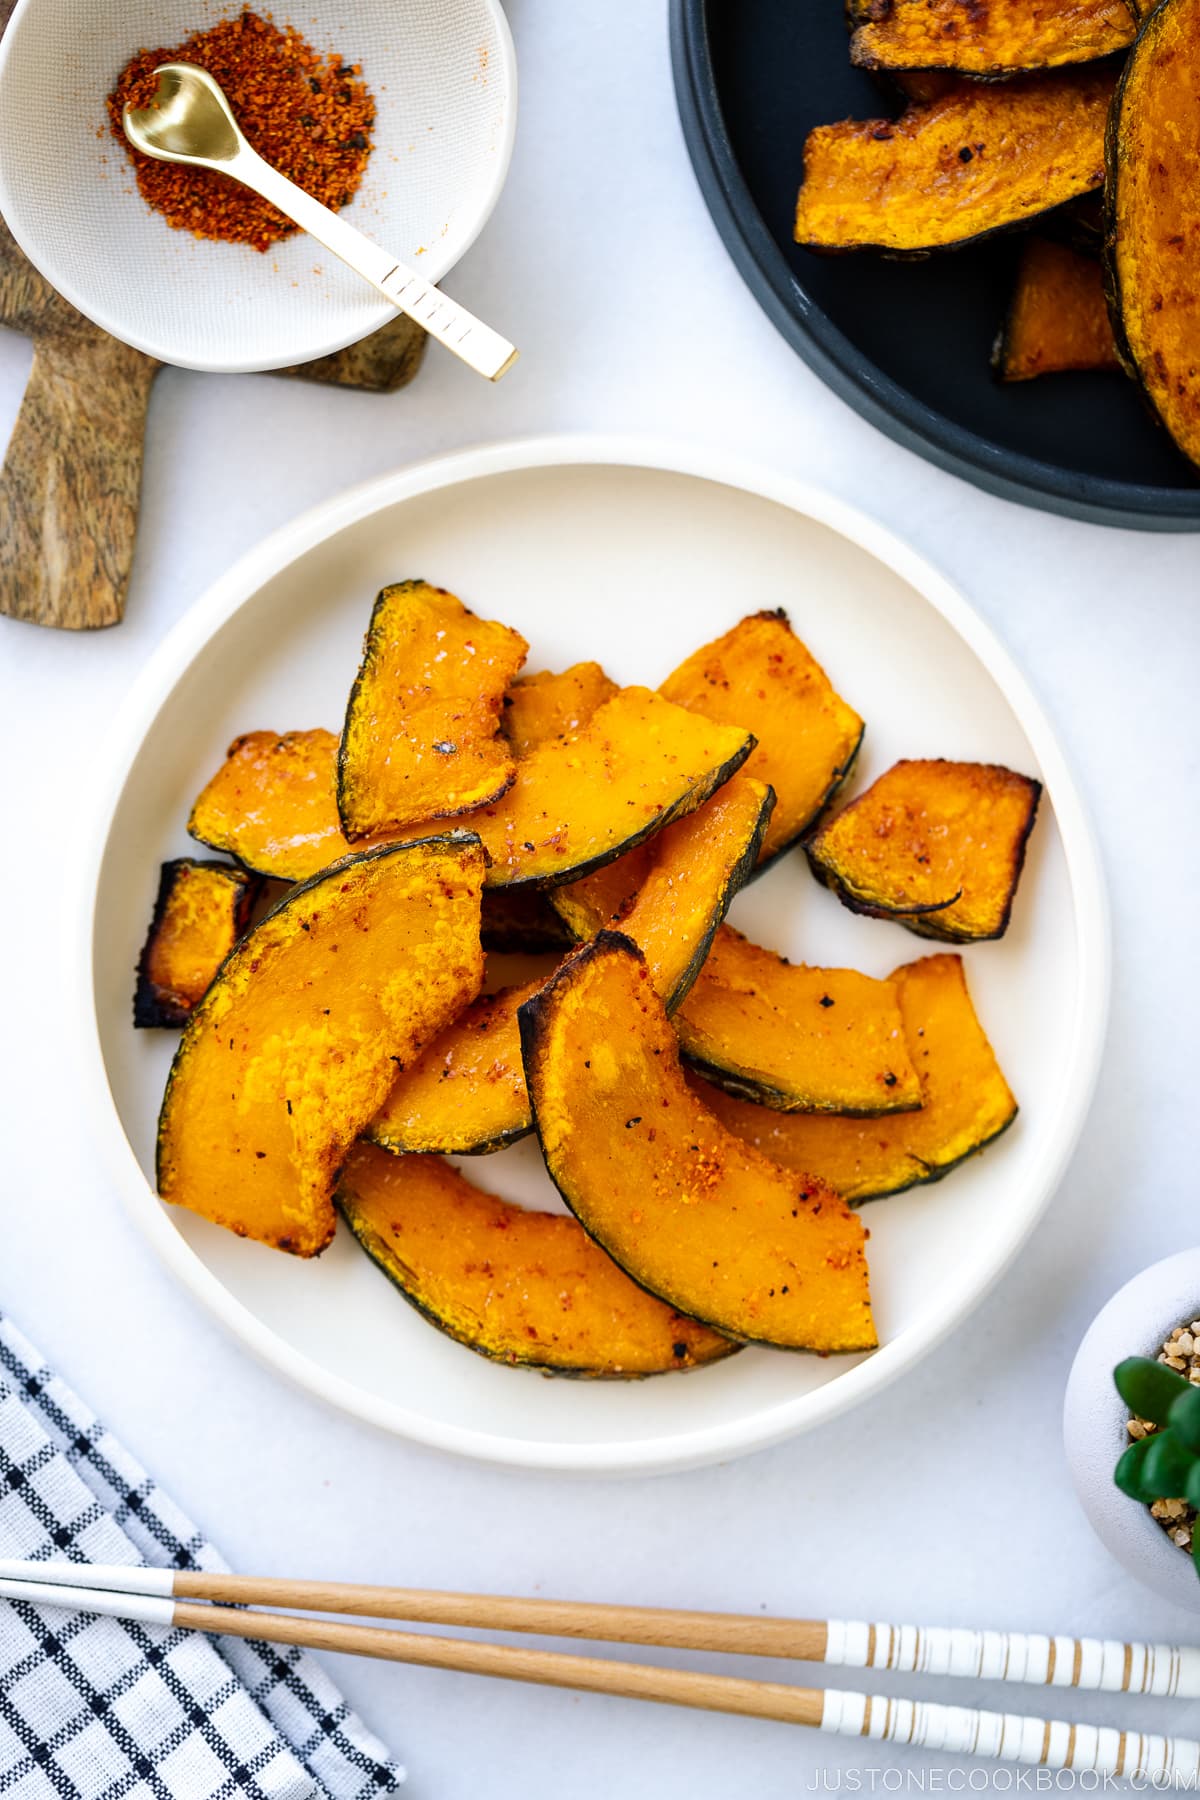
(632, 553)
(1134, 1323)
(443, 74)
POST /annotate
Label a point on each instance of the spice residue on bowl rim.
(1180, 1351)
(309, 114)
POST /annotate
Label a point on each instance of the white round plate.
(631, 553)
(444, 79)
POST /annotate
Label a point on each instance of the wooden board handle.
(70, 482)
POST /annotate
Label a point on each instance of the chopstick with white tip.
(1010, 1737)
(1102, 1664)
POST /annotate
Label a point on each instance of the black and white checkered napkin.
(101, 1709)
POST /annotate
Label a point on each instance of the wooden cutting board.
(72, 476)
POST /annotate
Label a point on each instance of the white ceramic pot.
(1134, 1323)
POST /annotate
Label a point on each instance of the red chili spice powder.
(308, 114)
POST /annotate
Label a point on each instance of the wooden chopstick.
(965, 1731)
(1089, 1663)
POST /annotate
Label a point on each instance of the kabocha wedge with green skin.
(581, 801)
(760, 675)
(983, 157)
(201, 910)
(966, 1102)
(465, 1093)
(294, 1047)
(937, 846)
(794, 1038)
(422, 738)
(690, 1212)
(1000, 38)
(683, 888)
(525, 1288)
(1152, 223)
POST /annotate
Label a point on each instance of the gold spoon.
(191, 122)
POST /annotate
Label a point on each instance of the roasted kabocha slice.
(201, 911)
(526, 1288)
(422, 735)
(795, 1038)
(464, 1094)
(683, 883)
(1153, 217)
(981, 158)
(1000, 38)
(760, 675)
(692, 1213)
(550, 705)
(294, 1047)
(581, 801)
(937, 846)
(273, 804)
(965, 1101)
(1057, 319)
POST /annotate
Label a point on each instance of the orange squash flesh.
(981, 158)
(201, 911)
(689, 1211)
(465, 1093)
(422, 736)
(966, 1102)
(1152, 245)
(938, 846)
(525, 1288)
(580, 801)
(684, 888)
(293, 1048)
(544, 706)
(273, 804)
(606, 895)
(1058, 316)
(760, 675)
(795, 1038)
(1000, 37)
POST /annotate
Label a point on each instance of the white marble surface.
(948, 1499)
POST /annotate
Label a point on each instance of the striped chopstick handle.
(1104, 1664)
(1012, 1737)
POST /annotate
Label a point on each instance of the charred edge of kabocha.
(150, 1010)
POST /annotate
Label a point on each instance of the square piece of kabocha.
(201, 911)
(937, 846)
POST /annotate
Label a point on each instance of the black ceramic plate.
(906, 343)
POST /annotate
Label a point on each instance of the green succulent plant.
(1165, 1465)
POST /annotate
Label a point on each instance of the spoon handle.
(483, 349)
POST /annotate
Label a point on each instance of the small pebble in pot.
(1181, 1352)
